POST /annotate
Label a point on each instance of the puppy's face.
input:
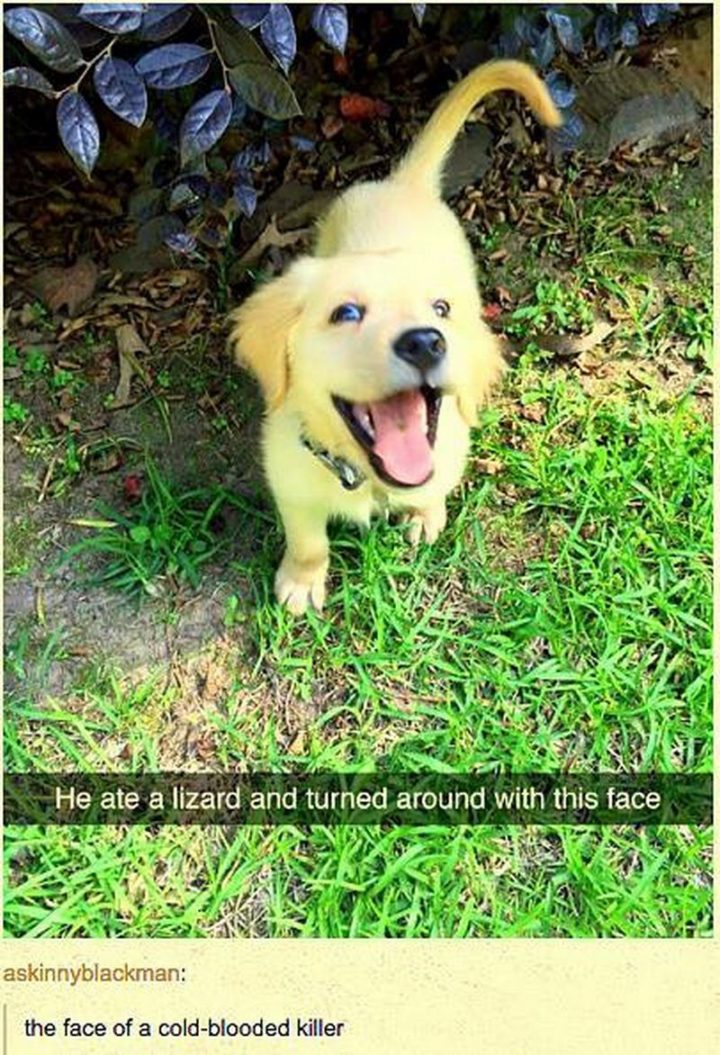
(367, 348)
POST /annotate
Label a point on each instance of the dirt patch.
(101, 625)
(668, 377)
(103, 628)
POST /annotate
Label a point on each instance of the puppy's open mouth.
(397, 433)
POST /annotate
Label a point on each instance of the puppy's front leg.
(426, 523)
(300, 579)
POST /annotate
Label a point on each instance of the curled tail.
(423, 163)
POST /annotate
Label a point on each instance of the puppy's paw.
(298, 588)
(425, 524)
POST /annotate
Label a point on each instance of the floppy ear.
(263, 325)
(486, 368)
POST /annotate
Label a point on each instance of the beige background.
(422, 997)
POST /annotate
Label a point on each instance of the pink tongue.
(400, 424)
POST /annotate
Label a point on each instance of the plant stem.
(211, 24)
(90, 64)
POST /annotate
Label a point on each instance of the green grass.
(561, 622)
(19, 546)
(627, 247)
(564, 616)
(166, 536)
(555, 306)
(14, 412)
(350, 882)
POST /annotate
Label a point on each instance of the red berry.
(132, 487)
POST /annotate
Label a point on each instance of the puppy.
(372, 354)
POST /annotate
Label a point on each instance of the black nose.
(422, 348)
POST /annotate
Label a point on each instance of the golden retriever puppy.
(372, 354)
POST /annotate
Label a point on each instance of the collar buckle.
(349, 475)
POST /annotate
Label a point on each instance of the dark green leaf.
(264, 89)
(45, 37)
(249, 15)
(144, 204)
(204, 123)
(181, 242)
(278, 34)
(79, 131)
(605, 30)
(562, 92)
(173, 65)
(245, 196)
(330, 22)
(113, 18)
(160, 21)
(567, 32)
(121, 89)
(237, 45)
(153, 233)
(565, 139)
(543, 50)
(25, 77)
(182, 197)
(629, 34)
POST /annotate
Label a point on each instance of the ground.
(560, 622)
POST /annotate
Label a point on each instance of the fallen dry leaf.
(687, 58)
(106, 461)
(533, 412)
(331, 125)
(271, 236)
(27, 315)
(71, 327)
(66, 286)
(129, 342)
(297, 744)
(588, 363)
(123, 300)
(65, 421)
(488, 466)
(568, 346)
(340, 65)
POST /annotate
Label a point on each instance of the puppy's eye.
(348, 313)
(441, 308)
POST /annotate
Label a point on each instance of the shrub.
(228, 65)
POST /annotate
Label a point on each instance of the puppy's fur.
(374, 350)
